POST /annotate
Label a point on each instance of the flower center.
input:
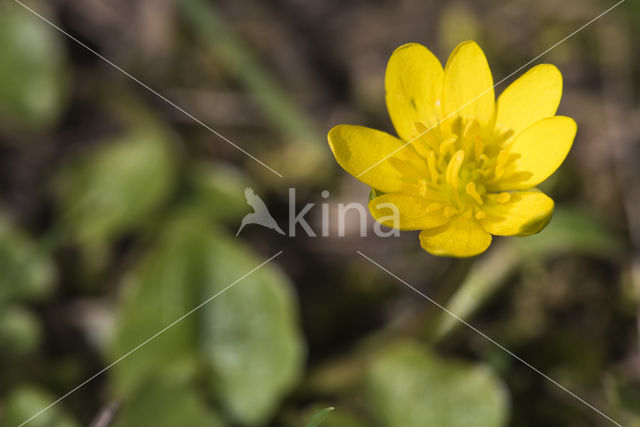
(454, 168)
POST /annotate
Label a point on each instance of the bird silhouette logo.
(260, 214)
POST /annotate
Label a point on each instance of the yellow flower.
(465, 166)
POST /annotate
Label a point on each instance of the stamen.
(411, 188)
(503, 155)
(447, 144)
(416, 158)
(449, 211)
(473, 192)
(405, 168)
(470, 128)
(457, 126)
(498, 172)
(503, 197)
(430, 140)
(424, 135)
(433, 170)
(479, 147)
(502, 137)
(422, 185)
(454, 167)
(419, 189)
(437, 168)
(434, 206)
(518, 176)
(466, 215)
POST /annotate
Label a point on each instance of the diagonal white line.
(473, 328)
(488, 89)
(136, 348)
(147, 87)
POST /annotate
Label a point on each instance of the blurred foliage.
(20, 332)
(318, 417)
(33, 71)
(118, 214)
(336, 418)
(303, 154)
(219, 189)
(115, 189)
(250, 340)
(246, 344)
(409, 387)
(627, 398)
(29, 274)
(577, 231)
(21, 405)
(165, 286)
(180, 406)
(572, 230)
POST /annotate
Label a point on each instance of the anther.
(422, 185)
(454, 167)
(498, 172)
(503, 197)
(470, 129)
(473, 192)
(479, 147)
(424, 135)
(433, 170)
(449, 211)
(433, 206)
(447, 144)
(503, 155)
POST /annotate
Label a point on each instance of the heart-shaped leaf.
(409, 386)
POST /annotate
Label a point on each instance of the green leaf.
(219, 189)
(20, 332)
(163, 404)
(408, 386)
(250, 336)
(33, 69)
(163, 288)
(116, 188)
(319, 417)
(28, 274)
(26, 401)
(245, 341)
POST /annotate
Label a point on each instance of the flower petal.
(413, 213)
(542, 148)
(532, 97)
(357, 149)
(468, 84)
(462, 237)
(413, 86)
(525, 213)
